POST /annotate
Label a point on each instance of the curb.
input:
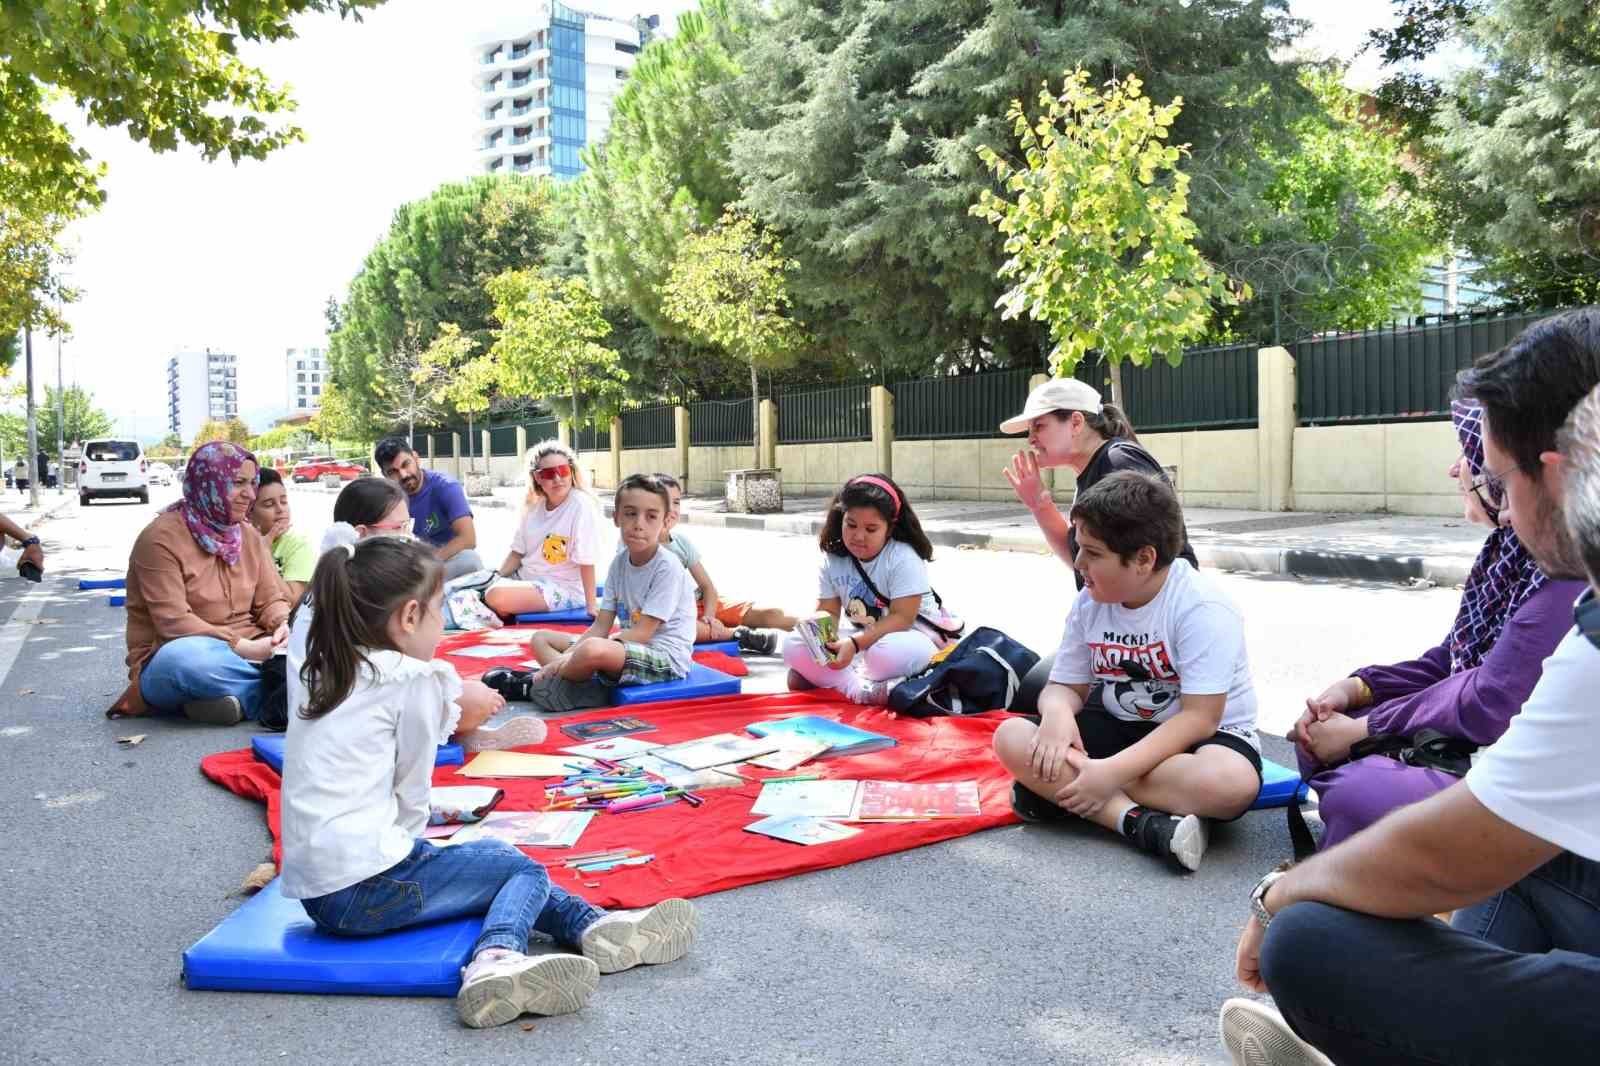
(1299, 562)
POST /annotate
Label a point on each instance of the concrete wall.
(955, 469)
(817, 469)
(1216, 468)
(1397, 467)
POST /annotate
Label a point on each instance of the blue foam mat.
(268, 747)
(270, 945)
(102, 583)
(1280, 786)
(726, 647)
(702, 681)
(576, 614)
(116, 601)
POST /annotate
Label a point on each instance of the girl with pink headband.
(874, 584)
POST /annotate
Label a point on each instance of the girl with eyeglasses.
(550, 566)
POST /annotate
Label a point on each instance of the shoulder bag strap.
(948, 634)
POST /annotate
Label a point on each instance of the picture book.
(681, 776)
(841, 739)
(802, 830)
(607, 727)
(902, 801)
(450, 804)
(718, 750)
(792, 754)
(529, 829)
(612, 748)
(521, 764)
(811, 799)
(485, 651)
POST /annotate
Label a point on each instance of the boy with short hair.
(1148, 724)
(719, 619)
(647, 589)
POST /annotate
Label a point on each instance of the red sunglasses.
(550, 473)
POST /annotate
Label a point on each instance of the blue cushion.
(270, 945)
(726, 647)
(702, 681)
(102, 583)
(116, 601)
(269, 749)
(576, 614)
(1280, 786)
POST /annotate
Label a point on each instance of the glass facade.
(567, 119)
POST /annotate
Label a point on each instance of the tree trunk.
(472, 457)
(1116, 385)
(33, 430)
(755, 417)
(577, 438)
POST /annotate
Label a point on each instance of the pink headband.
(870, 479)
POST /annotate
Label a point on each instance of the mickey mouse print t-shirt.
(1189, 640)
(553, 544)
(897, 571)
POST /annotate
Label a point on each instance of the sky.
(242, 258)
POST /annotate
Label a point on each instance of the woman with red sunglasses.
(561, 537)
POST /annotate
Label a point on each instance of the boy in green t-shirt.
(291, 552)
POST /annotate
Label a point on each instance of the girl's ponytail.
(355, 589)
(1112, 423)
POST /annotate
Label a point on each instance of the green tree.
(549, 345)
(449, 374)
(1096, 224)
(859, 145)
(168, 72)
(217, 429)
(1519, 149)
(297, 438)
(729, 287)
(432, 267)
(84, 421)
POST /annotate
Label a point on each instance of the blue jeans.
(200, 668)
(1509, 982)
(488, 877)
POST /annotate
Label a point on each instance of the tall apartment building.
(545, 87)
(200, 386)
(305, 373)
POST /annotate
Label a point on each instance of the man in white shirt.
(1344, 942)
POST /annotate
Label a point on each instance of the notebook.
(841, 739)
(613, 748)
(717, 750)
(903, 801)
(795, 753)
(810, 799)
(802, 830)
(529, 829)
(522, 764)
(607, 727)
(449, 804)
(681, 776)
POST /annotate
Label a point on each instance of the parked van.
(112, 468)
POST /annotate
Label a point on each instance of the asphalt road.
(1018, 943)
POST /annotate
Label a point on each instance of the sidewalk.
(14, 505)
(1368, 547)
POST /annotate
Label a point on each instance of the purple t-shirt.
(438, 503)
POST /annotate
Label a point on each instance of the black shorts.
(1104, 735)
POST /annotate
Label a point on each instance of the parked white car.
(160, 474)
(113, 468)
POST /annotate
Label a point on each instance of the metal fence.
(819, 416)
(503, 441)
(542, 429)
(595, 439)
(648, 427)
(441, 443)
(720, 422)
(1213, 388)
(964, 405)
(1396, 373)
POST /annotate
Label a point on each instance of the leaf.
(132, 741)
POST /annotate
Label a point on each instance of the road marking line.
(15, 631)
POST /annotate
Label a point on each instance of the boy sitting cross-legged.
(1148, 724)
(647, 589)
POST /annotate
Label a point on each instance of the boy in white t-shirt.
(1148, 724)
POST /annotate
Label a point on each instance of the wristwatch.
(30, 542)
(1258, 897)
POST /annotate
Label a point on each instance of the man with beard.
(1346, 942)
(440, 514)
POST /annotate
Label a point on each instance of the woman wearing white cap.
(1068, 425)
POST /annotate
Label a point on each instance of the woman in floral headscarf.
(1468, 687)
(206, 607)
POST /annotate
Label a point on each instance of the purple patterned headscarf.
(1503, 576)
(207, 482)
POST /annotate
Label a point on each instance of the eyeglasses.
(1490, 489)
(550, 473)
(387, 527)
(1586, 616)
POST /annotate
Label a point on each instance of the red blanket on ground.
(515, 639)
(699, 850)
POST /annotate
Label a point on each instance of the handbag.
(946, 632)
(982, 673)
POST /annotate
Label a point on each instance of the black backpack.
(983, 673)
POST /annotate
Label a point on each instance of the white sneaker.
(1256, 1035)
(622, 940)
(499, 986)
(518, 732)
(874, 693)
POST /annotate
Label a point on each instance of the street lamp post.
(61, 419)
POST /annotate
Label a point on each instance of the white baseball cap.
(1057, 394)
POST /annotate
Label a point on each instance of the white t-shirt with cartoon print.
(1188, 640)
(554, 544)
(897, 571)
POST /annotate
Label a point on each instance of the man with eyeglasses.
(440, 513)
(1346, 942)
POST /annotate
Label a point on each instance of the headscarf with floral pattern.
(207, 483)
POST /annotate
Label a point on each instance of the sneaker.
(518, 732)
(512, 684)
(760, 641)
(622, 940)
(500, 986)
(558, 694)
(1179, 840)
(873, 693)
(224, 710)
(1256, 1035)
(1032, 807)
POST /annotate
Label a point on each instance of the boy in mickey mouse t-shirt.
(1148, 724)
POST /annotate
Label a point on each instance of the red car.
(312, 469)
